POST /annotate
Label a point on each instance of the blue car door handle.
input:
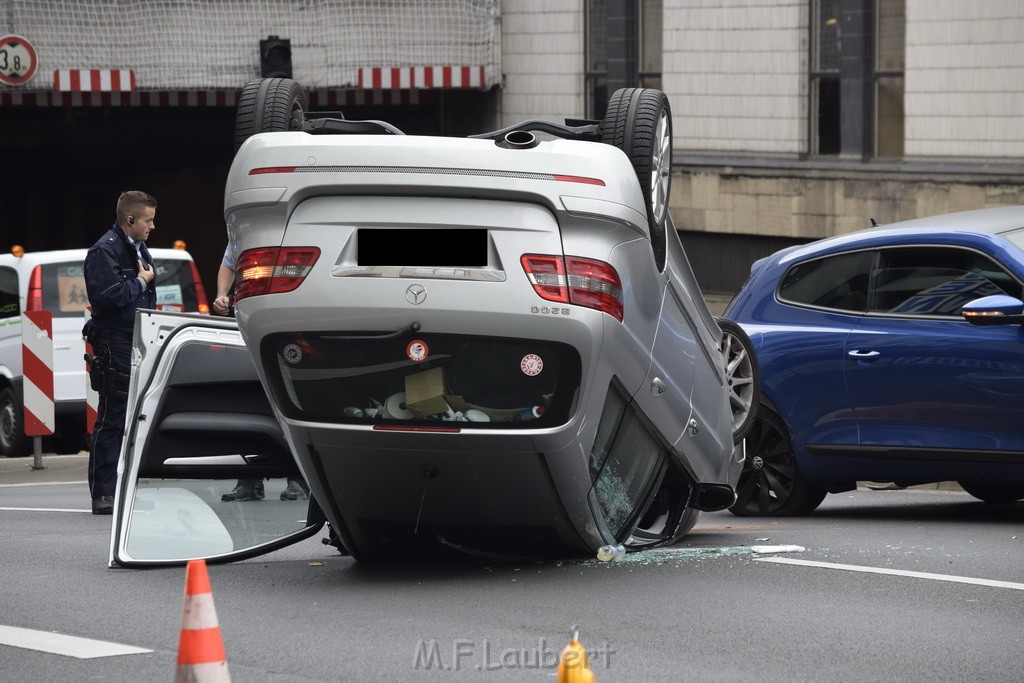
(860, 354)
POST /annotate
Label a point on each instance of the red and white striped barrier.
(377, 77)
(92, 399)
(37, 368)
(93, 80)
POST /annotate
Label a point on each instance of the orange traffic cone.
(201, 657)
(574, 664)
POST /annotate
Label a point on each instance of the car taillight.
(547, 275)
(273, 270)
(34, 300)
(204, 306)
(576, 280)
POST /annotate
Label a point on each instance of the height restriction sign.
(17, 60)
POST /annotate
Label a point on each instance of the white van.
(54, 281)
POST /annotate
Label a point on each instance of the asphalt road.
(941, 601)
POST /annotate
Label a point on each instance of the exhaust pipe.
(520, 139)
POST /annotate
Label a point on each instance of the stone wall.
(814, 204)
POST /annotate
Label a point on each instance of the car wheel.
(994, 493)
(770, 484)
(13, 442)
(269, 105)
(742, 376)
(639, 122)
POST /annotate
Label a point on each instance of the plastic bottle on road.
(610, 553)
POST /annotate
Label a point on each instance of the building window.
(596, 76)
(890, 44)
(650, 43)
(856, 78)
(825, 102)
(623, 49)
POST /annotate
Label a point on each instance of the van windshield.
(65, 296)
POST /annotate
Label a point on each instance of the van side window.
(64, 292)
(9, 306)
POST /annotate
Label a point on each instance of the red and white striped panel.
(93, 80)
(321, 99)
(92, 399)
(145, 98)
(37, 366)
(381, 77)
(318, 99)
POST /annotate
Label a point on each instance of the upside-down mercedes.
(490, 345)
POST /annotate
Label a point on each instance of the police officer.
(119, 280)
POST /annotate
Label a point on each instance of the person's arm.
(225, 278)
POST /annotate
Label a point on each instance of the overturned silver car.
(491, 345)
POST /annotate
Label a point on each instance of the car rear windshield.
(1016, 238)
(494, 383)
(64, 292)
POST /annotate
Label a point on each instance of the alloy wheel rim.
(768, 485)
(296, 117)
(661, 167)
(739, 374)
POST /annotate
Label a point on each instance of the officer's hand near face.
(145, 271)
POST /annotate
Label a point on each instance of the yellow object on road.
(574, 664)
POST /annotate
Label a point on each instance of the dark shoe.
(297, 490)
(245, 489)
(103, 505)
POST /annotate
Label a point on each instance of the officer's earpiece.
(131, 220)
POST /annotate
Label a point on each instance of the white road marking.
(59, 644)
(895, 572)
(3, 509)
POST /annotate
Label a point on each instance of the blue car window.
(839, 282)
(935, 281)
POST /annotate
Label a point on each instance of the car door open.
(198, 424)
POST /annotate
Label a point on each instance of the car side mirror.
(998, 309)
(712, 497)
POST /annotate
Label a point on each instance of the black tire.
(742, 375)
(994, 493)
(13, 442)
(269, 105)
(639, 122)
(770, 484)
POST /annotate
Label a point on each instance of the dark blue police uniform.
(115, 293)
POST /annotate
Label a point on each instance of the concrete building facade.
(793, 119)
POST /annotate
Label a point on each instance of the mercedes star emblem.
(416, 294)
